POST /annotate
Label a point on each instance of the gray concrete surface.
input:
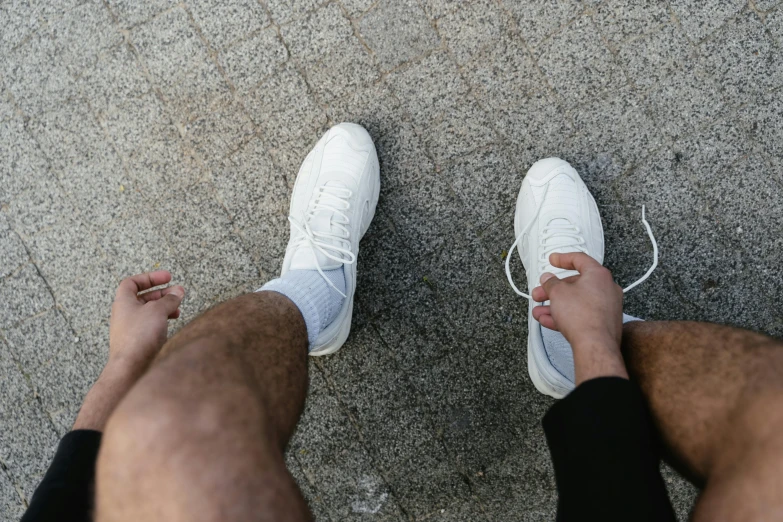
(154, 134)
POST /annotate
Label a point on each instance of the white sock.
(318, 302)
(559, 350)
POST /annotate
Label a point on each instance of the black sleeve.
(606, 455)
(66, 491)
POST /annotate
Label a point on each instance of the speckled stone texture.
(148, 134)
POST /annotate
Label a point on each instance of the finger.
(176, 314)
(539, 295)
(578, 261)
(169, 303)
(146, 297)
(538, 311)
(157, 294)
(547, 322)
(130, 286)
(548, 283)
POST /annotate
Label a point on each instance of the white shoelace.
(573, 233)
(335, 200)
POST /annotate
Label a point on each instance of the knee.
(156, 442)
(143, 429)
(165, 415)
(748, 490)
(163, 422)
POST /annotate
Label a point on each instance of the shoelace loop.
(569, 231)
(334, 246)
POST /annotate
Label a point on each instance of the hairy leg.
(716, 396)
(201, 436)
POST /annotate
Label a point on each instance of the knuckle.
(604, 271)
(605, 274)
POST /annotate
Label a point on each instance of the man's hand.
(137, 333)
(139, 322)
(588, 310)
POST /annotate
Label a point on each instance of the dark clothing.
(66, 491)
(603, 446)
(606, 455)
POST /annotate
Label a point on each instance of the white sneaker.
(555, 213)
(332, 205)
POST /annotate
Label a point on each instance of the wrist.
(121, 366)
(598, 359)
(118, 374)
(596, 345)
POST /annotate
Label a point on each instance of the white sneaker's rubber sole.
(338, 340)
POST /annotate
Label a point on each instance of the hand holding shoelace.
(139, 321)
(138, 330)
(588, 310)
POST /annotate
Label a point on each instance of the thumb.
(549, 282)
(169, 303)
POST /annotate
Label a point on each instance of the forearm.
(67, 487)
(114, 383)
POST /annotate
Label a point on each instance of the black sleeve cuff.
(66, 491)
(605, 454)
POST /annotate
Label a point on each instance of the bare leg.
(716, 396)
(201, 436)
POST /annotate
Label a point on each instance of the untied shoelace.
(572, 232)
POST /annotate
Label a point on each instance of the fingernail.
(546, 276)
(178, 291)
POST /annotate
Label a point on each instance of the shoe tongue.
(566, 247)
(321, 221)
(560, 210)
(559, 240)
